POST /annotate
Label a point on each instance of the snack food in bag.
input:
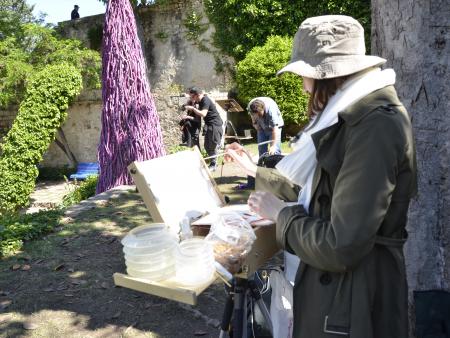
(232, 238)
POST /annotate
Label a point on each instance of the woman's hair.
(321, 93)
(257, 106)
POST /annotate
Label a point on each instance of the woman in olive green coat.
(355, 162)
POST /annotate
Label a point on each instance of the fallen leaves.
(30, 326)
(66, 220)
(116, 315)
(78, 281)
(200, 333)
(129, 328)
(5, 303)
(59, 267)
(24, 267)
(6, 317)
(64, 242)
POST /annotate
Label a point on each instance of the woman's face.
(308, 84)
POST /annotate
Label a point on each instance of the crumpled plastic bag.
(232, 238)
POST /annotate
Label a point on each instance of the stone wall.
(7, 117)
(82, 130)
(174, 63)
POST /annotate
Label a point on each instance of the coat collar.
(354, 113)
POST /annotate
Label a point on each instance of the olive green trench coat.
(351, 280)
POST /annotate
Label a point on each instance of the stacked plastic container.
(194, 260)
(149, 252)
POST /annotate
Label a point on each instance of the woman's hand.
(265, 204)
(272, 149)
(236, 153)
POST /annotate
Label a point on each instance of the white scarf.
(300, 165)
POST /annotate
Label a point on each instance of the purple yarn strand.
(130, 123)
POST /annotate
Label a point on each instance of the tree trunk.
(414, 36)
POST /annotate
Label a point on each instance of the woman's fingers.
(235, 146)
(254, 201)
(236, 153)
(265, 204)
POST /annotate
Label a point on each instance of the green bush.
(256, 76)
(82, 192)
(39, 47)
(15, 229)
(44, 108)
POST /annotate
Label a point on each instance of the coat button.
(325, 278)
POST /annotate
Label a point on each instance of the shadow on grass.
(63, 283)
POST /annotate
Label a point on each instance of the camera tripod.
(235, 315)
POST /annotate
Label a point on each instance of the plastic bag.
(232, 238)
(281, 304)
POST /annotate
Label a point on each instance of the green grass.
(16, 229)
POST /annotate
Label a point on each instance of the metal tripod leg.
(239, 316)
(226, 317)
(236, 308)
(256, 295)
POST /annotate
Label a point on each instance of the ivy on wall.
(95, 36)
(38, 47)
(42, 111)
(243, 24)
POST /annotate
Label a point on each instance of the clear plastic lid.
(152, 267)
(147, 235)
(153, 276)
(140, 255)
(194, 248)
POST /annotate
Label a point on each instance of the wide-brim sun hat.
(329, 46)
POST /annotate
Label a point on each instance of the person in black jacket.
(74, 14)
(190, 124)
(213, 129)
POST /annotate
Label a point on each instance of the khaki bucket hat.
(329, 46)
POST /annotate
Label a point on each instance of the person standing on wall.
(74, 14)
(268, 122)
(213, 124)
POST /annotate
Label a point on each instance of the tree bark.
(414, 36)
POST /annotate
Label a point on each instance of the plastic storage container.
(194, 261)
(149, 252)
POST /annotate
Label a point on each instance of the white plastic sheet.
(281, 305)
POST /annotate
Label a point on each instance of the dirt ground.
(61, 285)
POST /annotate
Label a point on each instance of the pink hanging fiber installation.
(130, 123)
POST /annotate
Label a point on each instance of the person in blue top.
(268, 122)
